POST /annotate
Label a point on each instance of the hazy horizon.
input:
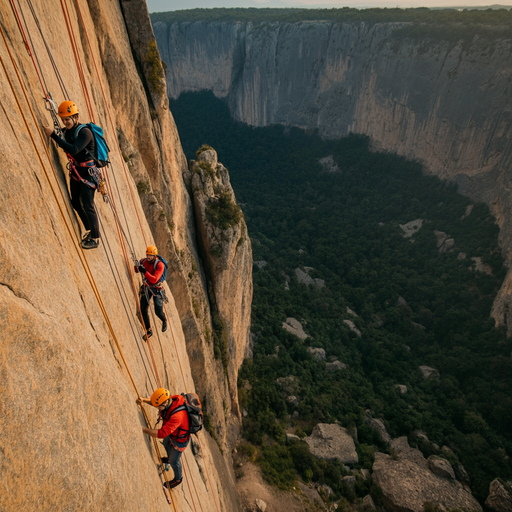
(174, 5)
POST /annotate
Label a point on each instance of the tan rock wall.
(71, 431)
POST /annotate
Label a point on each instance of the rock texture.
(407, 482)
(500, 498)
(379, 427)
(332, 442)
(225, 249)
(293, 326)
(74, 442)
(445, 103)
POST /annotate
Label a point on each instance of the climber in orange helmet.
(153, 269)
(174, 431)
(82, 183)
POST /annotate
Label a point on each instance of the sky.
(171, 5)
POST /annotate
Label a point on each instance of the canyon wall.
(72, 359)
(444, 101)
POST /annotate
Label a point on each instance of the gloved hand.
(142, 270)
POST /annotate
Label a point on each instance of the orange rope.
(75, 245)
(74, 47)
(110, 118)
(186, 390)
(109, 187)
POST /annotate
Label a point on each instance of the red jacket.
(152, 276)
(177, 421)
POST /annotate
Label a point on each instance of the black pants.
(82, 200)
(144, 306)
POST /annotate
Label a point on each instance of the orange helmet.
(160, 396)
(152, 250)
(67, 109)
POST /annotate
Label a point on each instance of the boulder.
(305, 278)
(461, 256)
(260, 264)
(335, 366)
(401, 302)
(500, 496)
(293, 326)
(441, 467)
(410, 228)
(401, 388)
(444, 242)
(378, 427)
(261, 506)
(461, 473)
(418, 326)
(368, 503)
(352, 327)
(407, 482)
(290, 438)
(429, 373)
(317, 353)
(480, 266)
(351, 312)
(332, 442)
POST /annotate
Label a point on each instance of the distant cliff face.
(71, 430)
(446, 104)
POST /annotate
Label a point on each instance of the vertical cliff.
(73, 359)
(429, 94)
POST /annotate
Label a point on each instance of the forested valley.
(379, 302)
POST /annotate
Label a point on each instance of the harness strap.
(72, 167)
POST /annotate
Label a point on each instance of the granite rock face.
(332, 442)
(407, 482)
(225, 250)
(60, 322)
(500, 498)
(446, 104)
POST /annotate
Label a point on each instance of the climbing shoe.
(90, 243)
(173, 483)
(148, 335)
(87, 235)
(164, 326)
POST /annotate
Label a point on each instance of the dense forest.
(422, 299)
(493, 17)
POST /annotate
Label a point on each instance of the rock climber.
(82, 170)
(153, 269)
(174, 430)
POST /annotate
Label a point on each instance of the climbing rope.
(130, 317)
(118, 224)
(70, 230)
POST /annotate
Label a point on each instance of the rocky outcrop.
(293, 326)
(404, 93)
(377, 426)
(72, 346)
(441, 467)
(332, 442)
(317, 353)
(500, 496)
(226, 252)
(407, 482)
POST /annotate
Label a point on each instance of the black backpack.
(195, 415)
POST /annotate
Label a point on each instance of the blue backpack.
(101, 153)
